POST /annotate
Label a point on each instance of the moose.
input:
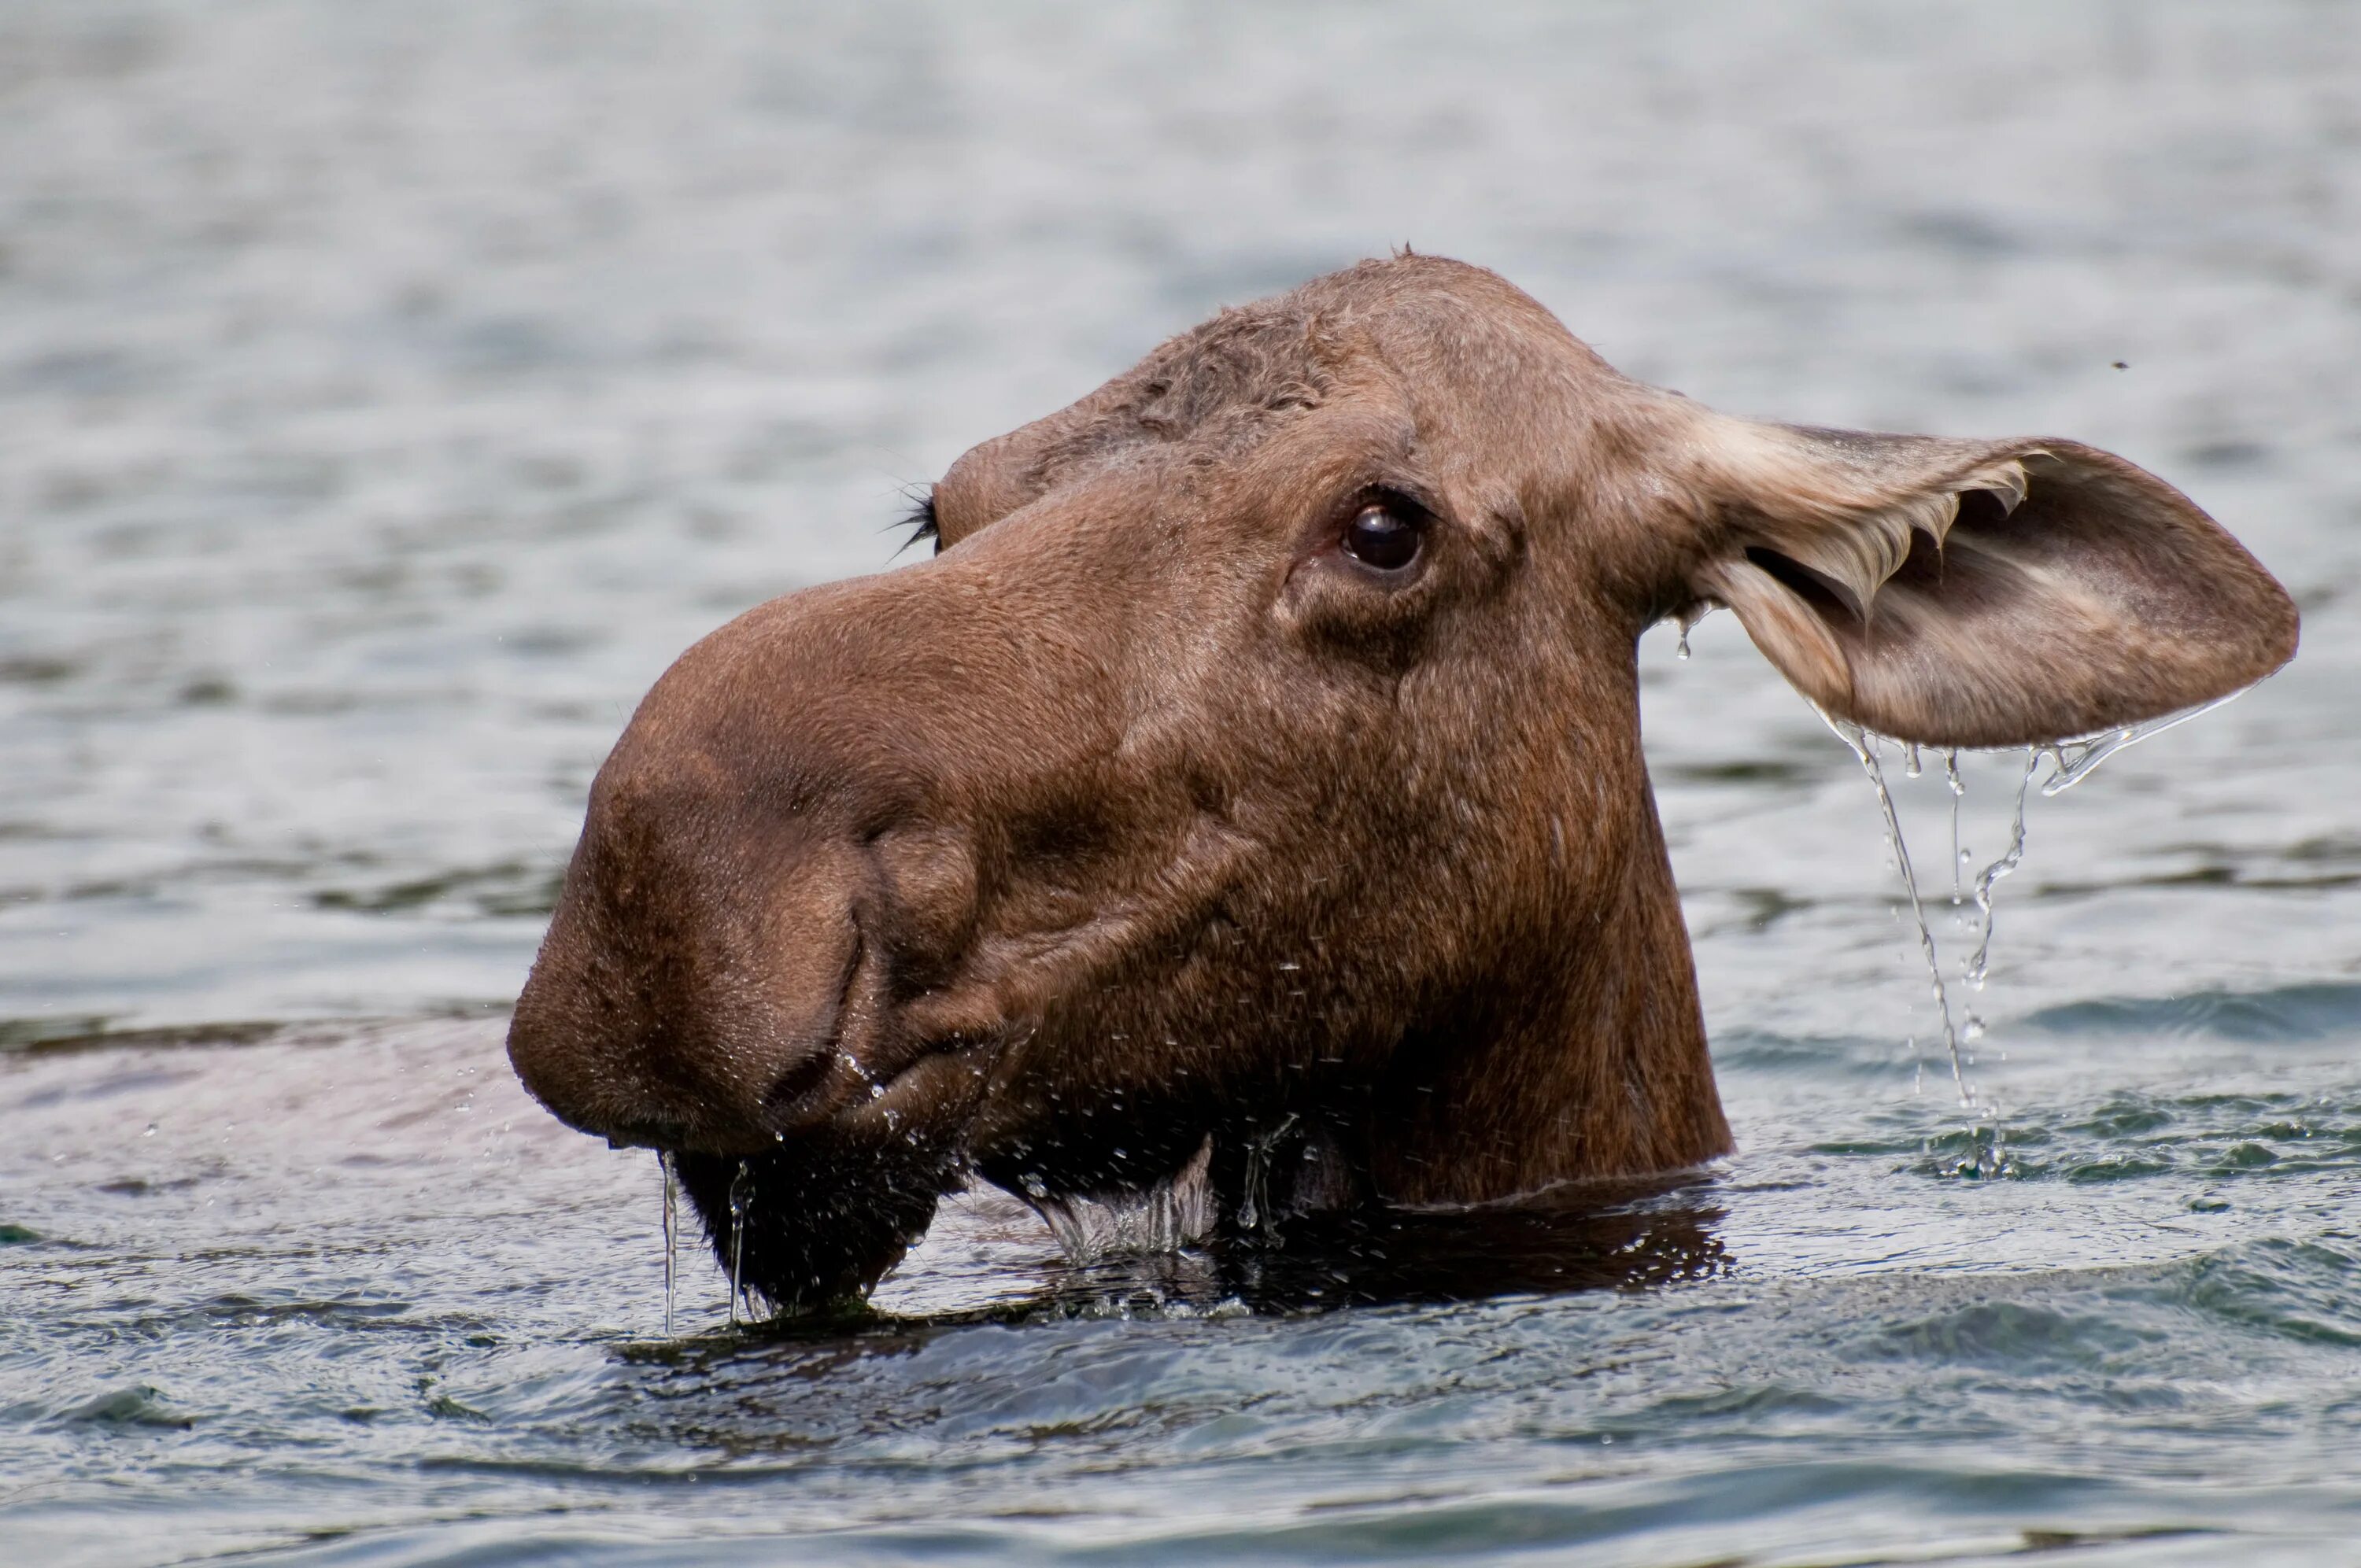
(1256, 763)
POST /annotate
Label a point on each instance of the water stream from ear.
(1864, 746)
(1980, 964)
(2078, 759)
(2071, 761)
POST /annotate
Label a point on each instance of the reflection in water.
(412, 1278)
(1596, 1236)
(1549, 1246)
(786, 1384)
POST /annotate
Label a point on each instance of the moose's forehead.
(1423, 330)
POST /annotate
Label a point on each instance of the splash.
(1254, 1211)
(1173, 1213)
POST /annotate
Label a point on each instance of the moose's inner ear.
(1979, 594)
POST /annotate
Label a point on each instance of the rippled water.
(387, 394)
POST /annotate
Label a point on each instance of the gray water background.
(388, 393)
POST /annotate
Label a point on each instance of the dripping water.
(1958, 856)
(1680, 624)
(2071, 761)
(1163, 1217)
(1978, 965)
(671, 1232)
(2077, 759)
(1254, 1210)
(1864, 747)
(742, 1200)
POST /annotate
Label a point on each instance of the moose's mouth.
(827, 1097)
(665, 1137)
(811, 1203)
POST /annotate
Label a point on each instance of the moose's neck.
(1587, 1058)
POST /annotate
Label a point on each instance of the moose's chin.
(810, 1216)
(814, 1222)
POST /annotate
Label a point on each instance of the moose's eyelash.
(922, 522)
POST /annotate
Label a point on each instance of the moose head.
(1257, 762)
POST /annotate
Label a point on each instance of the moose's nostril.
(798, 1084)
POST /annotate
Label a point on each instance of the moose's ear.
(1960, 593)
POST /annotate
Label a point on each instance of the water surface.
(386, 396)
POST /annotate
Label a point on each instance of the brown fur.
(1143, 816)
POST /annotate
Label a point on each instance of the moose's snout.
(761, 931)
(697, 987)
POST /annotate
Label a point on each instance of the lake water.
(388, 393)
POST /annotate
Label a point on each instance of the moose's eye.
(1381, 537)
